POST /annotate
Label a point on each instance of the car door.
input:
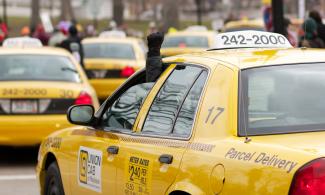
(90, 172)
(149, 160)
(93, 169)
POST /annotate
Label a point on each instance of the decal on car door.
(138, 175)
(90, 168)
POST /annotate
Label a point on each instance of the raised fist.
(154, 43)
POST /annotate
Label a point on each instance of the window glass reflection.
(184, 122)
(164, 109)
(124, 111)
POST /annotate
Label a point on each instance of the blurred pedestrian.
(57, 37)
(152, 28)
(90, 31)
(3, 31)
(320, 26)
(268, 18)
(41, 34)
(290, 34)
(25, 31)
(310, 37)
(111, 26)
(73, 38)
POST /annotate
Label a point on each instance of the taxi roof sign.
(250, 39)
(22, 42)
(112, 34)
(197, 28)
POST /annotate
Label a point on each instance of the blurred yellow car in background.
(110, 60)
(244, 24)
(37, 86)
(187, 41)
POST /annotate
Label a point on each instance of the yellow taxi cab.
(110, 59)
(187, 41)
(37, 86)
(246, 117)
(244, 24)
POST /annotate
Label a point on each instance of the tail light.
(182, 45)
(83, 98)
(310, 179)
(127, 71)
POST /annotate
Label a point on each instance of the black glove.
(154, 43)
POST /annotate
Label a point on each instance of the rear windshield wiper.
(69, 69)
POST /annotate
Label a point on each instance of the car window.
(283, 99)
(186, 41)
(123, 112)
(165, 107)
(37, 68)
(109, 50)
(185, 118)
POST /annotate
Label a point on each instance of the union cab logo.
(83, 166)
(90, 168)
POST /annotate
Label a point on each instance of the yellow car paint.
(244, 24)
(106, 86)
(31, 129)
(213, 160)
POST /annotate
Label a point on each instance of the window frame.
(133, 80)
(130, 82)
(153, 135)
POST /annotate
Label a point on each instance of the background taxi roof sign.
(22, 42)
(250, 39)
(196, 28)
(112, 34)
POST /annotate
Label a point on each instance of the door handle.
(112, 149)
(166, 158)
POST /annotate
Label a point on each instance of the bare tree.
(66, 10)
(118, 11)
(170, 14)
(35, 18)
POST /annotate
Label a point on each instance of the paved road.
(17, 171)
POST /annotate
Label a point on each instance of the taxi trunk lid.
(35, 97)
(109, 68)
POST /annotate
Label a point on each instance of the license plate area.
(24, 106)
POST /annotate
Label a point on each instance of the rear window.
(109, 50)
(186, 41)
(37, 67)
(244, 28)
(282, 99)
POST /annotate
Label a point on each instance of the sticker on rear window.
(90, 168)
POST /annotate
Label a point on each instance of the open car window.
(122, 114)
(173, 109)
(282, 99)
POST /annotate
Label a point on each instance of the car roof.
(40, 51)
(115, 40)
(256, 57)
(244, 22)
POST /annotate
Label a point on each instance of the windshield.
(186, 41)
(37, 67)
(109, 50)
(282, 99)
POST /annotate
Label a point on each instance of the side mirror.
(81, 114)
